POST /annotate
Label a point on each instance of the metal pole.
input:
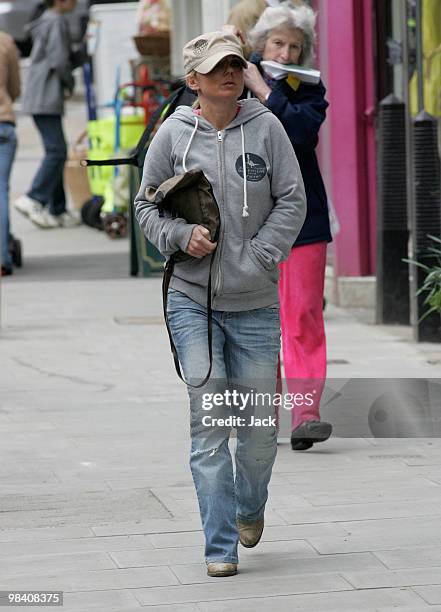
(409, 150)
(419, 53)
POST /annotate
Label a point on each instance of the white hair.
(298, 17)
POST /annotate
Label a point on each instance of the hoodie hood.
(40, 27)
(248, 110)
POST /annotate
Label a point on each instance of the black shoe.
(308, 433)
(5, 271)
(15, 251)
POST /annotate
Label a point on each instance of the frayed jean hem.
(224, 560)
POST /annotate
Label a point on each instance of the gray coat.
(50, 72)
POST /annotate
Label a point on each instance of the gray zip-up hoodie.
(50, 73)
(261, 212)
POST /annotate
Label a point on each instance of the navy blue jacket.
(301, 113)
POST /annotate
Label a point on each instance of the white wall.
(189, 19)
(214, 14)
(186, 24)
(115, 47)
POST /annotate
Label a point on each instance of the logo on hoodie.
(256, 167)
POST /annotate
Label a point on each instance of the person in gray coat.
(49, 81)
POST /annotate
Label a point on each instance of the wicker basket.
(156, 43)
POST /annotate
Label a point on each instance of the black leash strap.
(168, 273)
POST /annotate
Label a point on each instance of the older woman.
(238, 146)
(286, 35)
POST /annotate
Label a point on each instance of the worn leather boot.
(250, 533)
(221, 570)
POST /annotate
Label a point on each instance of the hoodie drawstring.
(189, 143)
(245, 212)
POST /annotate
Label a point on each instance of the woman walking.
(239, 146)
(286, 35)
(50, 80)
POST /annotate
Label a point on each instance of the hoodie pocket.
(241, 271)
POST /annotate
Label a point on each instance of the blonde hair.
(196, 104)
(300, 17)
(244, 16)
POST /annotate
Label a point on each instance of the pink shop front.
(345, 56)
(368, 49)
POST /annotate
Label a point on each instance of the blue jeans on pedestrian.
(47, 186)
(245, 351)
(8, 145)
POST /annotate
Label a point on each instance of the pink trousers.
(301, 287)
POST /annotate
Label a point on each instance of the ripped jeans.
(245, 350)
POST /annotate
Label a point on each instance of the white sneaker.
(43, 219)
(27, 205)
(67, 219)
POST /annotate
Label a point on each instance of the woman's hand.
(200, 243)
(255, 83)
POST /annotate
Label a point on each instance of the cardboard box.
(75, 176)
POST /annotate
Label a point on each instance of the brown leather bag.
(188, 196)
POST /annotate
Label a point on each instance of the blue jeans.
(47, 186)
(245, 350)
(8, 145)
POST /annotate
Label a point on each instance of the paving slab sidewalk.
(96, 497)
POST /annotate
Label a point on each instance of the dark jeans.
(47, 186)
(8, 144)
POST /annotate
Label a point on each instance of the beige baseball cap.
(204, 52)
